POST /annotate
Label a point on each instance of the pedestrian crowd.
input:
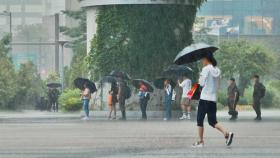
(205, 90)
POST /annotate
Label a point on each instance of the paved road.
(117, 139)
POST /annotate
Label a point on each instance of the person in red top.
(143, 99)
(143, 88)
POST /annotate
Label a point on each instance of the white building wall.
(91, 26)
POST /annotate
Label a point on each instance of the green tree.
(140, 39)
(78, 67)
(243, 59)
(30, 86)
(8, 84)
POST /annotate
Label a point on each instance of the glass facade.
(251, 17)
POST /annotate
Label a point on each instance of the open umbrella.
(177, 70)
(80, 82)
(136, 83)
(53, 85)
(194, 53)
(159, 83)
(109, 79)
(120, 74)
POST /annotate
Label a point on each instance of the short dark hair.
(232, 79)
(256, 76)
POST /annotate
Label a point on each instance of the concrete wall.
(91, 25)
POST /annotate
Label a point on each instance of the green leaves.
(140, 39)
(243, 59)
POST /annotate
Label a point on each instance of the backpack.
(237, 95)
(262, 90)
(127, 92)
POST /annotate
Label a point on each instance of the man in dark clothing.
(233, 97)
(258, 94)
(121, 97)
(53, 98)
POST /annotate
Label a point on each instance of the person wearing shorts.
(209, 81)
(186, 85)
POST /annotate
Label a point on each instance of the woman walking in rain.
(168, 100)
(209, 80)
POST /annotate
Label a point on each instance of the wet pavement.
(74, 138)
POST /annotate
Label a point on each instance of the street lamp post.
(62, 44)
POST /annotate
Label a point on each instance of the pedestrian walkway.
(131, 115)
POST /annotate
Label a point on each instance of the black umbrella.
(194, 53)
(109, 79)
(120, 74)
(159, 83)
(80, 82)
(53, 85)
(136, 83)
(177, 70)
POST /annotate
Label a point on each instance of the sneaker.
(258, 118)
(233, 118)
(188, 116)
(198, 144)
(229, 138)
(85, 118)
(183, 117)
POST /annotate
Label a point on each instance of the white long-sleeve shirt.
(168, 89)
(186, 86)
(209, 80)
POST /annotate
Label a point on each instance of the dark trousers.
(122, 107)
(232, 107)
(143, 107)
(209, 108)
(53, 105)
(257, 106)
(168, 106)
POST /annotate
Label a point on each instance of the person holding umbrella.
(85, 96)
(87, 87)
(121, 96)
(186, 85)
(209, 81)
(168, 100)
(53, 95)
(113, 100)
(144, 88)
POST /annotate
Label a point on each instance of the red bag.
(195, 92)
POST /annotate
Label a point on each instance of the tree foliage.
(243, 59)
(7, 74)
(78, 67)
(30, 86)
(140, 39)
